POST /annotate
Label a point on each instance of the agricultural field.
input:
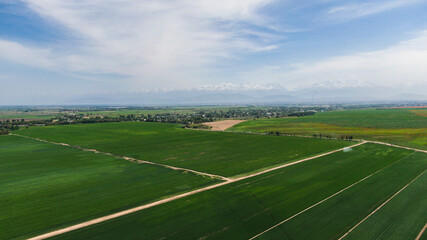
(403, 217)
(323, 199)
(226, 154)
(44, 186)
(61, 175)
(406, 127)
(4, 115)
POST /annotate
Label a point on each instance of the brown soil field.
(222, 125)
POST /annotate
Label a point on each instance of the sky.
(57, 49)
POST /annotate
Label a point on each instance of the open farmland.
(226, 154)
(243, 209)
(402, 218)
(333, 218)
(5, 115)
(45, 186)
(406, 127)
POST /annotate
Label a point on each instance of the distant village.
(188, 119)
(192, 119)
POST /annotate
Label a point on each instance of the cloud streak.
(399, 65)
(365, 8)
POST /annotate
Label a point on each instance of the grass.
(243, 209)
(45, 186)
(401, 218)
(226, 154)
(406, 127)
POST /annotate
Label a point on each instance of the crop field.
(336, 216)
(323, 199)
(403, 217)
(45, 186)
(226, 154)
(406, 127)
(55, 179)
(28, 116)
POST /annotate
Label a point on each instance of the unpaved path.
(421, 232)
(222, 125)
(397, 146)
(149, 205)
(128, 158)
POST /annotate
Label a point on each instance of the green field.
(335, 217)
(243, 209)
(225, 154)
(45, 186)
(402, 218)
(28, 116)
(406, 127)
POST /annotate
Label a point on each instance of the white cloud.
(236, 87)
(19, 53)
(403, 64)
(171, 44)
(155, 42)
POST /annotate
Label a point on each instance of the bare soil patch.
(222, 125)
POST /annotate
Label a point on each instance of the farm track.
(421, 232)
(361, 140)
(156, 203)
(397, 146)
(134, 160)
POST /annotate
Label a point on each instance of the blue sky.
(63, 48)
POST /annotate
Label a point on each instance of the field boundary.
(156, 203)
(398, 146)
(332, 138)
(382, 205)
(134, 160)
(296, 162)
